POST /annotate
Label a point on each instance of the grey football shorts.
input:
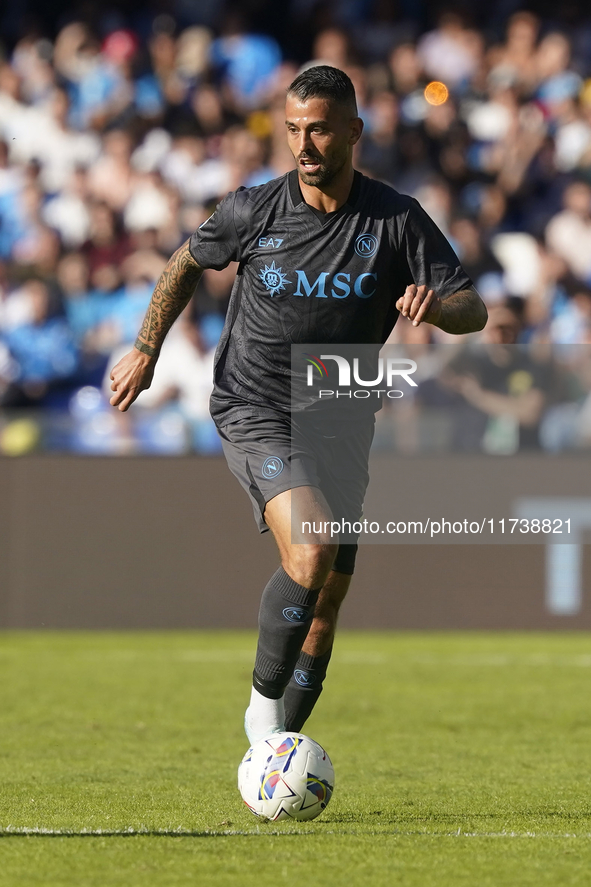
(271, 455)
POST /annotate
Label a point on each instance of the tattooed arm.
(462, 312)
(172, 294)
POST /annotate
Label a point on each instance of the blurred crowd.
(116, 142)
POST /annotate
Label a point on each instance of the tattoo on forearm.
(464, 312)
(146, 349)
(171, 295)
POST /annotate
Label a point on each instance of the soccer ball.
(286, 776)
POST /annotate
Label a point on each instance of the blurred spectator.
(148, 206)
(450, 53)
(378, 149)
(477, 259)
(552, 59)
(501, 389)
(111, 178)
(246, 62)
(435, 196)
(196, 176)
(332, 47)
(58, 148)
(106, 248)
(68, 212)
(96, 86)
(43, 350)
(573, 324)
(15, 307)
(514, 62)
(35, 245)
(73, 278)
(569, 232)
(406, 69)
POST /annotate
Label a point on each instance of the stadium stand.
(119, 133)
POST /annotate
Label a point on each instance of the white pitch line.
(263, 831)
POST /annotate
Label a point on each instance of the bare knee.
(309, 564)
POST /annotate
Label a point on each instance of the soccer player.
(326, 255)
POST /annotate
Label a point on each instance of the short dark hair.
(324, 82)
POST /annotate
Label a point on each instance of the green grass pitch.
(462, 760)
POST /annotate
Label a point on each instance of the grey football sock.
(285, 616)
(304, 689)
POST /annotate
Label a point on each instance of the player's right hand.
(132, 375)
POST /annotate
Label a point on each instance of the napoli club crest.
(272, 467)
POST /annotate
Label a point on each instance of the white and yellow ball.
(286, 776)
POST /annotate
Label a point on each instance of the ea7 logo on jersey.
(272, 242)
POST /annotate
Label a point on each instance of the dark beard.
(324, 176)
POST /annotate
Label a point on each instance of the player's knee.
(310, 564)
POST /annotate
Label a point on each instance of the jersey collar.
(297, 197)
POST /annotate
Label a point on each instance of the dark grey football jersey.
(310, 278)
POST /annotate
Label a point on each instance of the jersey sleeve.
(429, 257)
(216, 243)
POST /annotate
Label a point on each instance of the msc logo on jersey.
(273, 278)
(272, 467)
(338, 286)
(366, 245)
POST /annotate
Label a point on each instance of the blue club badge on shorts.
(272, 467)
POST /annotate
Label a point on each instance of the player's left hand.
(419, 304)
